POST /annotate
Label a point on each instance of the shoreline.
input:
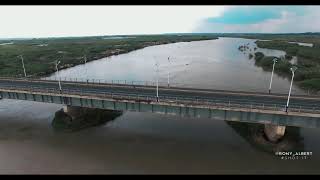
(118, 53)
(111, 52)
(283, 70)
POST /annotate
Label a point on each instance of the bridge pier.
(72, 118)
(73, 111)
(274, 132)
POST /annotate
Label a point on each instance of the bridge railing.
(115, 81)
(146, 83)
(143, 83)
(170, 100)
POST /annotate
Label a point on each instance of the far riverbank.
(40, 55)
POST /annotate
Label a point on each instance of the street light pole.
(24, 69)
(274, 62)
(57, 63)
(157, 74)
(85, 66)
(169, 72)
(293, 69)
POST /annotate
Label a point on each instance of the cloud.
(289, 20)
(48, 21)
(45, 21)
(245, 15)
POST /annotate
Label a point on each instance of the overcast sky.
(57, 21)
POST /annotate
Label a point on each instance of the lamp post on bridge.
(24, 69)
(293, 69)
(85, 59)
(169, 71)
(274, 62)
(157, 74)
(57, 63)
(85, 67)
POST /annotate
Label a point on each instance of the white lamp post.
(85, 66)
(157, 74)
(24, 69)
(274, 62)
(57, 63)
(169, 71)
(293, 69)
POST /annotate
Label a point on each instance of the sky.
(59, 21)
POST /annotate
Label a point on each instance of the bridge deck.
(171, 99)
(205, 96)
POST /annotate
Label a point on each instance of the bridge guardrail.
(136, 83)
(234, 100)
(173, 100)
(145, 83)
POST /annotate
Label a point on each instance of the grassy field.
(40, 54)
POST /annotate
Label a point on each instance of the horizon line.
(48, 37)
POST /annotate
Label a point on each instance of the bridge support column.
(72, 118)
(72, 111)
(274, 132)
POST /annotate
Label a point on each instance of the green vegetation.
(282, 67)
(292, 49)
(308, 73)
(250, 56)
(40, 54)
(243, 48)
(313, 38)
(311, 83)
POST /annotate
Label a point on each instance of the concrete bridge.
(264, 108)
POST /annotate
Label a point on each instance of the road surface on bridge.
(199, 95)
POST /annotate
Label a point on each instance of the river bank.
(308, 62)
(306, 59)
(40, 54)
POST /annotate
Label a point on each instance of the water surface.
(135, 143)
(214, 64)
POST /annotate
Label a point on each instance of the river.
(214, 64)
(152, 143)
